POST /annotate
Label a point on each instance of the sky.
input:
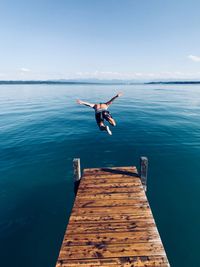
(101, 39)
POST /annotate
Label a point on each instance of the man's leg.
(99, 120)
(107, 116)
(112, 121)
(102, 126)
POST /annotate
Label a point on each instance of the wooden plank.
(136, 261)
(108, 190)
(110, 185)
(101, 180)
(93, 218)
(129, 223)
(110, 238)
(98, 176)
(140, 209)
(106, 169)
(135, 249)
(110, 227)
(111, 176)
(128, 172)
(116, 196)
(84, 203)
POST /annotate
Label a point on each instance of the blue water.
(43, 129)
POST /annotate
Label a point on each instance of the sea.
(42, 129)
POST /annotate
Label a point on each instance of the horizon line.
(98, 81)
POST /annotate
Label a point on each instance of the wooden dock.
(111, 223)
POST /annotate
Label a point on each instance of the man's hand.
(119, 94)
(79, 101)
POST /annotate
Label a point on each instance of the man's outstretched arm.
(85, 103)
(112, 99)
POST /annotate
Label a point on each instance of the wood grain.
(111, 223)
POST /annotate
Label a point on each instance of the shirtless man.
(101, 113)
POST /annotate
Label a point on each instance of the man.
(101, 113)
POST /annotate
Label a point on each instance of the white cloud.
(194, 58)
(25, 70)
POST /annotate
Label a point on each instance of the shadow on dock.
(118, 171)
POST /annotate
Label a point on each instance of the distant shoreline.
(37, 82)
(175, 82)
(65, 82)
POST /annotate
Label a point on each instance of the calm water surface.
(42, 130)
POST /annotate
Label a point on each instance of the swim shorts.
(100, 116)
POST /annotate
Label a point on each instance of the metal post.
(77, 173)
(143, 171)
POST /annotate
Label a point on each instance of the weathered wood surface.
(111, 223)
(143, 171)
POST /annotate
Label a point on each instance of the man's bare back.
(100, 106)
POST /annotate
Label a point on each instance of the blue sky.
(104, 39)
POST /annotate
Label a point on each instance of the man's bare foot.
(108, 130)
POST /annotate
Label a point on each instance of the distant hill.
(175, 82)
(64, 82)
(93, 81)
